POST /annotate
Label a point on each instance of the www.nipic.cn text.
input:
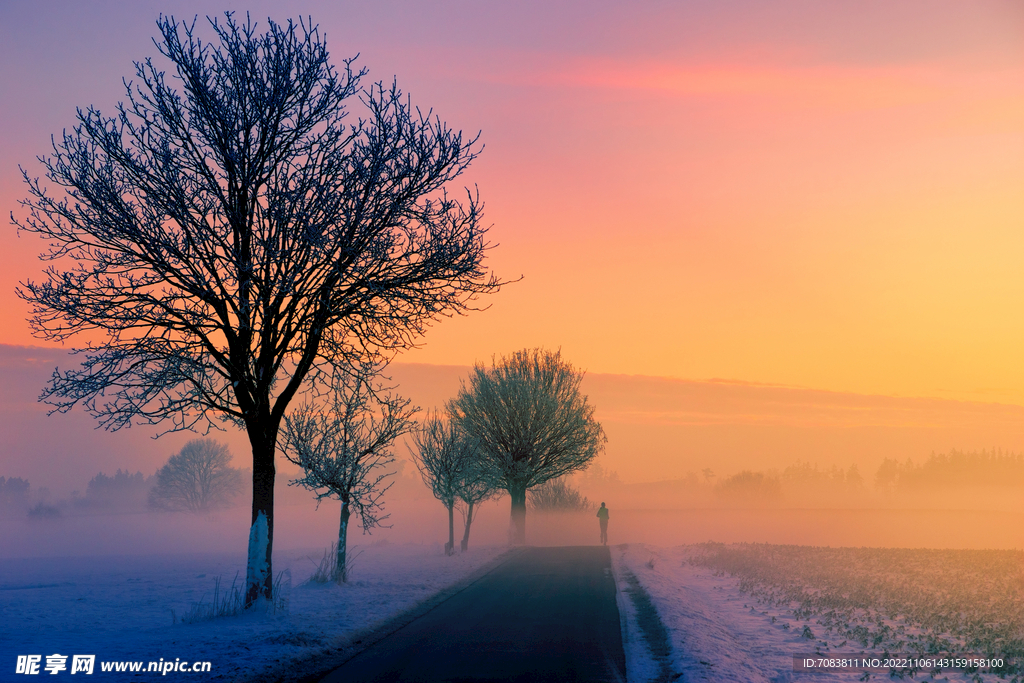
(86, 664)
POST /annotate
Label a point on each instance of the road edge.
(645, 638)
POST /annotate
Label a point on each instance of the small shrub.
(327, 566)
(44, 511)
(558, 496)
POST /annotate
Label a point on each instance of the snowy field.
(121, 608)
(740, 613)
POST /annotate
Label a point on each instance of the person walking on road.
(602, 516)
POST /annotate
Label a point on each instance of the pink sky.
(804, 194)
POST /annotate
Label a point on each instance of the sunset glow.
(828, 199)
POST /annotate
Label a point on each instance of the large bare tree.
(197, 479)
(230, 238)
(344, 450)
(530, 421)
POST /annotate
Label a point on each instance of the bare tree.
(344, 452)
(531, 423)
(475, 486)
(444, 457)
(235, 241)
(709, 474)
(198, 478)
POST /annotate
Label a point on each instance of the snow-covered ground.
(715, 631)
(128, 609)
(120, 608)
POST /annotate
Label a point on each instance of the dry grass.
(231, 602)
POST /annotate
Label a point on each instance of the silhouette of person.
(602, 516)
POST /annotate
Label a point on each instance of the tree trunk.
(517, 522)
(465, 535)
(259, 581)
(449, 547)
(342, 571)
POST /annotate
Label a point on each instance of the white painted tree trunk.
(258, 569)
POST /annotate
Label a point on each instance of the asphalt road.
(546, 614)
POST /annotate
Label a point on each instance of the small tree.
(199, 478)
(344, 452)
(231, 237)
(444, 457)
(531, 423)
(475, 486)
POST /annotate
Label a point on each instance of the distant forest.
(953, 470)
(802, 482)
(941, 471)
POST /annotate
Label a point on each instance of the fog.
(639, 513)
(686, 461)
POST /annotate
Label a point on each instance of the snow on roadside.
(641, 665)
(119, 608)
(715, 635)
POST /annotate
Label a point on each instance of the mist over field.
(686, 462)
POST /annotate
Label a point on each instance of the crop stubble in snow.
(740, 612)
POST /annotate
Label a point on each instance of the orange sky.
(796, 193)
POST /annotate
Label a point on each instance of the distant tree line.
(14, 495)
(121, 492)
(953, 470)
(197, 479)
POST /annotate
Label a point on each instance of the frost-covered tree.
(557, 495)
(531, 423)
(230, 237)
(445, 459)
(344, 450)
(198, 478)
